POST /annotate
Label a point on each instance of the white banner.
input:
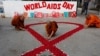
(10, 7)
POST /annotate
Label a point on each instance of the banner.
(40, 9)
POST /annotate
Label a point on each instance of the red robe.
(92, 20)
(18, 22)
(51, 26)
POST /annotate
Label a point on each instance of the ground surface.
(85, 42)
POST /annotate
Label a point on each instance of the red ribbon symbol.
(38, 14)
(55, 14)
(50, 45)
(73, 14)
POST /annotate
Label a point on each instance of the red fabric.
(92, 20)
(17, 22)
(51, 26)
(50, 45)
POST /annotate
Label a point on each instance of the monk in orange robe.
(51, 28)
(92, 21)
(18, 21)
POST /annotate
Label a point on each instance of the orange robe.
(92, 20)
(18, 22)
(52, 26)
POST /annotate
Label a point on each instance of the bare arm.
(51, 34)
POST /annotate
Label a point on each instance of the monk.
(92, 21)
(51, 28)
(18, 21)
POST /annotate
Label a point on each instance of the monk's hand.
(48, 37)
(22, 28)
(51, 35)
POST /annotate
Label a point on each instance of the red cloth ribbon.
(50, 45)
